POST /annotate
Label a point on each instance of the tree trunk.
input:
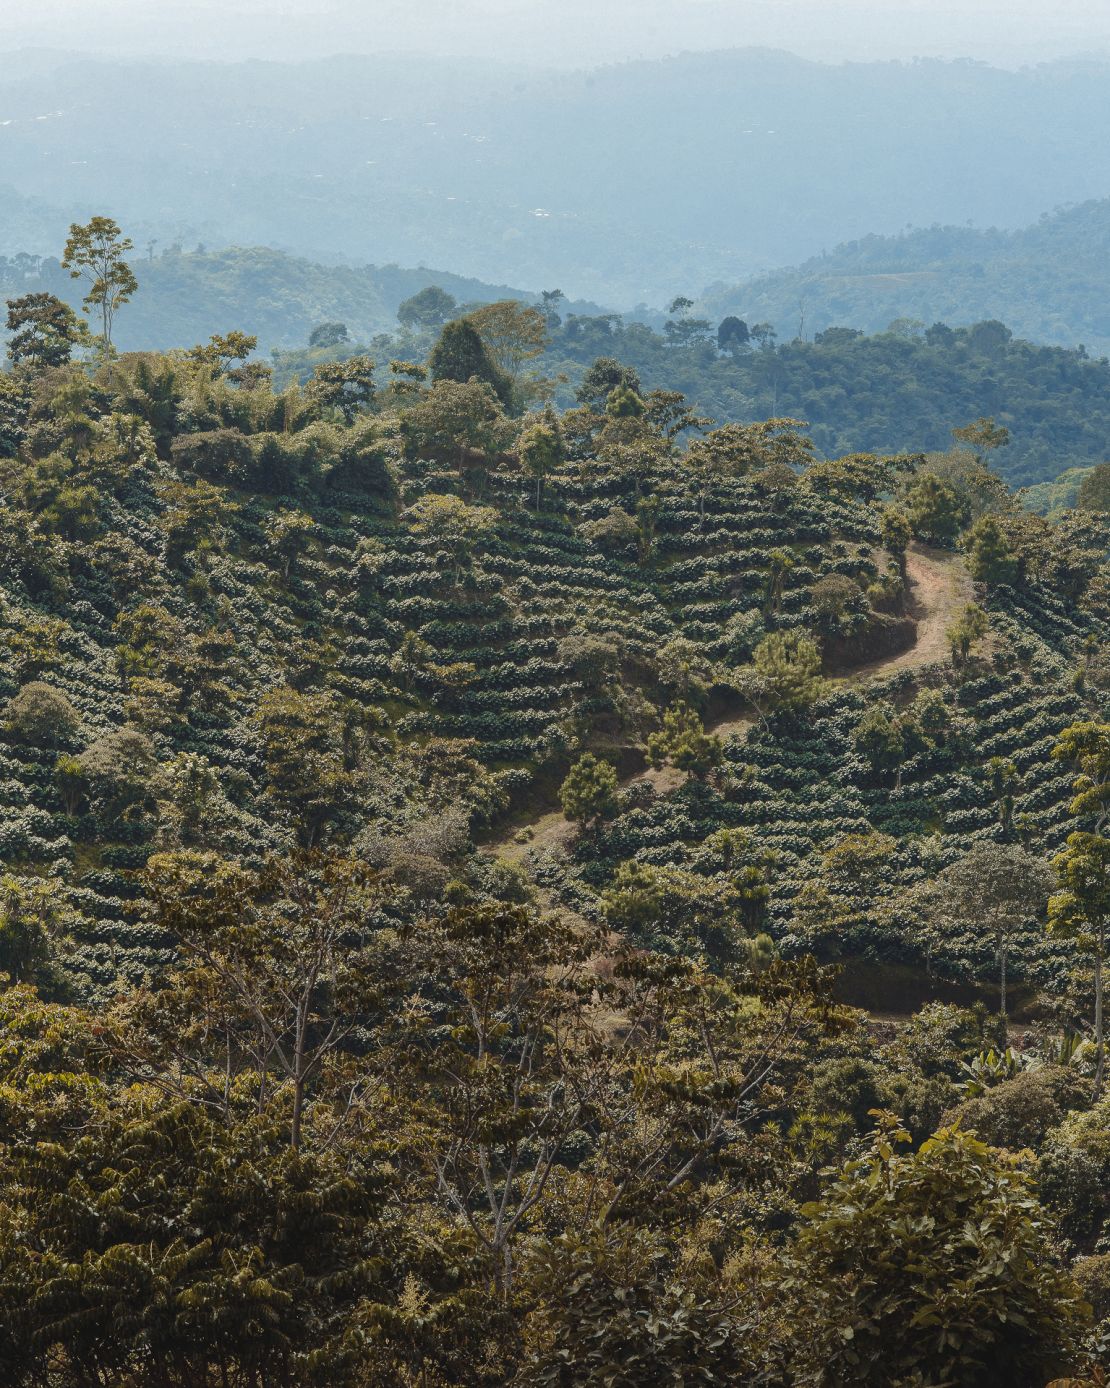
(1099, 1048)
(1002, 962)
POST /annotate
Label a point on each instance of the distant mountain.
(1049, 282)
(277, 297)
(624, 184)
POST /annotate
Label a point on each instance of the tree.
(302, 743)
(325, 335)
(732, 335)
(505, 1068)
(839, 603)
(460, 355)
(453, 525)
(624, 403)
(781, 561)
(600, 379)
(990, 558)
(789, 665)
(1080, 911)
(971, 626)
(616, 1305)
(430, 308)
(290, 533)
(878, 736)
(288, 958)
(764, 335)
(218, 1255)
(1094, 490)
(934, 509)
(15, 410)
(863, 475)
(71, 782)
(683, 742)
(550, 299)
(222, 349)
(732, 451)
(995, 888)
(513, 334)
(95, 252)
(460, 422)
(1002, 777)
(33, 912)
(41, 715)
(982, 435)
(934, 1266)
(1087, 746)
(44, 330)
(347, 386)
(120, 768)
(896, 534)
(989, 338)
(588, 794)
(541, 450)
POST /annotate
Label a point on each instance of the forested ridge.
(1046, 280)
(903, 387)
(322, 1061)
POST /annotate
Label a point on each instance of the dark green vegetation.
(712, 166)
(902, 389)
(1049, 281)
(322, 1063)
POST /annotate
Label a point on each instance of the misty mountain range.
(625, 185)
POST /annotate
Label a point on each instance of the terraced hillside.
(425, 828)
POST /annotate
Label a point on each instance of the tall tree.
(1080, 911)
(994, 888)
(95, 252)
(461, 355)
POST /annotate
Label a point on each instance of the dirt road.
(940, 588)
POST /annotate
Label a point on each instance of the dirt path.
(940, 588)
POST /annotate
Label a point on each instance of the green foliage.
(460, 355)
(990, 558)
(278, 713)
(43, 330)
(971, 627)
(589, 793)
(41, 715)
(788, 666)
(95, 252)
(934, 509)
(684, 743)
(933, 1266)
(616, 1310)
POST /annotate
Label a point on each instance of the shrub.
(42, 715)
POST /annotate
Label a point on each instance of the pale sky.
(564, 32)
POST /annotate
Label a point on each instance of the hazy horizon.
(566, 33)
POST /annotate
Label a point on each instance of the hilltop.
(1048, 281)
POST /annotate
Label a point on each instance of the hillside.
(898, 391)
(489, 897)
(278, 298)
(713, 166)
(1048, 281)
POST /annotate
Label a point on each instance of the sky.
(564, 32)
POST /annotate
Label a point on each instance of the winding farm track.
(939, 589)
